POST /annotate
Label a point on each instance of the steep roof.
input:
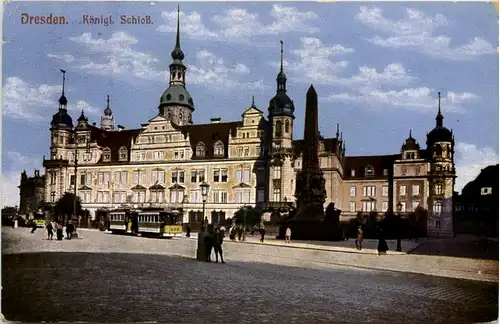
(329, 143)
(378, 162)
(113, 140)
(209, 134)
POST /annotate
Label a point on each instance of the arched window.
(369, 170)
(437, 207)
(200, 149)
(287, 126)
(106, 154)
(123, 153)
(219, 148)
(278, 130)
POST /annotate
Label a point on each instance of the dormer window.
(410, 156)
(353, 173)
(369, 171)
(123, 154)
(106, 154)
(200, 149)
(219, 149)
(386, 172)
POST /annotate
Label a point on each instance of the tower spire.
(337, 130)
(63, 102)
(177, 53)
(439, 117)
(281, 79)
(64, 80)
(281, 61)
(410, 134)
(253, 102)
(107, 101)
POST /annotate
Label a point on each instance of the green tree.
(253, 216)
(64, 206)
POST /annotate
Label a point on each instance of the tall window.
(242, 196)
(195, 196)
(385, 206)
(352, 191)
(219, 149)
(402, 190)
(385, 191)
(403, 206)
(415, 190)
(157, 196)
(278, 129)
(82, 179)
(123, 154)
(368, 206)
(276, 194)
(177, 176)
(106, 154)
(220, 175)
(260, 195)
(277, 172)
(242, 175)
(135, 176)
(159, 155)
(437, 207)
(246, 151)
(287, 126)
(438, 189)
(219, 196)
(176, 196)
(369, 191)
(158, 176)
(352, 206)
(414, 205)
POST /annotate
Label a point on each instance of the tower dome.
(439, 133)
(281, 104)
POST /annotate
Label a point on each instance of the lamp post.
(204, 193)
(53, 196)
(244, 222)
(400, 207)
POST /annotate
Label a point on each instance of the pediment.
(242, 185)
(252, 111)
(176, 187)
(138, 187)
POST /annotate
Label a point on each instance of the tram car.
(119, 221)
(160, 222)
(39, 220)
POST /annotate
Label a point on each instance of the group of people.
(237, 231)
(58, 227)
(213, 241)
(382, 246)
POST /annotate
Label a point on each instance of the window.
(72, 180)
(414, 205)
(415, 189)
(106, 154)
(52, 178)
(119, 197)
(242, 196)
(369, 171)
(177, 176)
(438, 224)
(158, 176)
(402, 190)
(385, 206)
(403, 206)
(353, 173)
(278, 130)
(486, 191)
(260, 195)
(437, 207)
(102, 196)
(369, 191)
(220, 175)
(385, 191)
(201, 175)
(174, 176)
(123, 154)
(386, 172)
(417, 170)
(287, 126)
(87, 157)
(176, 196)
(123, 177)
(82, 179)
(135, 176)
(277, 194)
(200, 149)
(247, 151)
(157, 196)
(195, 196)
(242, 175)
(159, 155)
(219, 149)
(368, 206)
(87, 196)
(240, 151)
(403, 171)
(352, 191)
(277, 172)
(194, 176)
(410, 155)
(438, 189)
(217, 175)
(352, 206)
(219, 196)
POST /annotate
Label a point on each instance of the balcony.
(56, 163)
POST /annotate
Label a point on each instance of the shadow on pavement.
(126, 287)
(476, 248)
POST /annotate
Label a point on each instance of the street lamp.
(204, 193)
(400, 207)
(244, 222)
(53, 196)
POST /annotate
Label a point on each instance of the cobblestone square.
(110, 278)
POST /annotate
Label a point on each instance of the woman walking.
(382, 247)
(288, 234)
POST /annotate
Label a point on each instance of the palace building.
(250, 162)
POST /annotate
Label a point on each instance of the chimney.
(120, 128)
(215, 120)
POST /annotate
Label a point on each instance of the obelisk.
(310, 185)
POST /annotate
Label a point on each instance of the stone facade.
(253, 161)
(31, 192)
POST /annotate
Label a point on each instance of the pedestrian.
(359, 238)
(188, 231)
(208, 240)
(59, 231)
(69, 230)
(33, 227)
(288, 234)
(262, 234)
(240, 232)
(232, 233)
(50, 233)
(382, 246)
(218, 239)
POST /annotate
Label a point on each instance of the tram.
(159, 221)
(118, 220)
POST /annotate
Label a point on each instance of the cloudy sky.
(377, 68)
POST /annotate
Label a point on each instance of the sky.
(377, 69)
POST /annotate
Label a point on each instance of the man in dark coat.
(209, 243)
(218, 239)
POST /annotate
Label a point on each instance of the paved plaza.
(110, 278)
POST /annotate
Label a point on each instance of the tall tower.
(107, 121)
(440, 147)
(281, 116)
(176, 103)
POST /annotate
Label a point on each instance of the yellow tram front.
(39, 219)
(118, 220)
(159, 222)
